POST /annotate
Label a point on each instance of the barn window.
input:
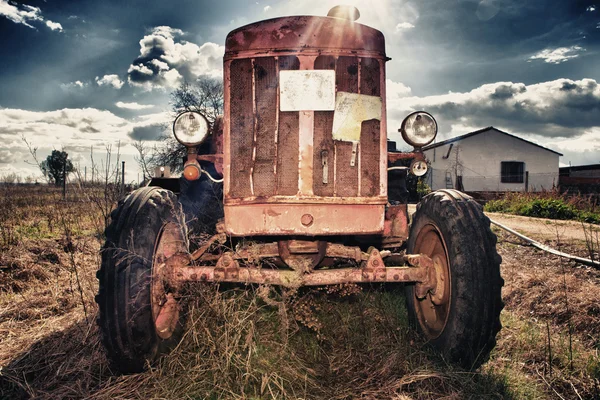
(512, 171)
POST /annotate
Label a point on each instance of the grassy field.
(262, 342)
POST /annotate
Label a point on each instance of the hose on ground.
(548, 249)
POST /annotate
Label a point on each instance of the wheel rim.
(165, 307)
(432, 311)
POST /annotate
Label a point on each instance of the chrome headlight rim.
(201, 134)
(411, 141)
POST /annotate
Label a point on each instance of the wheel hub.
(439, 295)
(432, 310)
(165, 307)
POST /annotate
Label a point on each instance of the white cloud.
(24, 14)
(20, 15)
(396, 90)
(110, 80)
(551, 113)
(165, 61)
(591, 8)
(75, 130)
(72, 85)
(267, 8)
(558, 55)
(55, 26)
(403, 26)
(133, 105)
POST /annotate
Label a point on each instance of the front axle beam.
(179, 275)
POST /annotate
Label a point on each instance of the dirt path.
(541, 228)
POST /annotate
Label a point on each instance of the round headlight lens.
(419, 129)
(190, 128)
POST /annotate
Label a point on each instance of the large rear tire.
(461, 317)
(140, 317)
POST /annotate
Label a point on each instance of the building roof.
(590, 167)
(477, 132)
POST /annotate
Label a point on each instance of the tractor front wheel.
(140, 316)
(461, 316)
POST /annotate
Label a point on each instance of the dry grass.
(262, 342)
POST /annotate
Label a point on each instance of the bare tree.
(205, 96)
(144, 158)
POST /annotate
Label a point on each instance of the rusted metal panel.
(217, 142)
(323, 142)
(381, 200)
(369, 77)
(308, 166)
(266, 87)
(370, 157)
(396, 223)
(242, 127)
(288, 141)
(346, 183)
(303, 33)
(286, 219)
(383, 163)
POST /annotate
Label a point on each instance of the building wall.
(477, 159)
(588, 173)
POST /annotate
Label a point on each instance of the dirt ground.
(541, 228)
(548, 347)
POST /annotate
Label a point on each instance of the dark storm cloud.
(149, 132)
(560, 108)
(454, 46)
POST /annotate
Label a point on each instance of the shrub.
(552, 205)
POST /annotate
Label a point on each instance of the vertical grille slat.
(242, 126)
(323, 140)
(265, 78)
(288, 141)
(369, 155)
(346, 184)
(370, 131)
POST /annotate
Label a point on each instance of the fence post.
(64, 181)
(122, 178)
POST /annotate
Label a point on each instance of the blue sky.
(75, 74)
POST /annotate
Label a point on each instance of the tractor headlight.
(419, 129)
(418, 168)
(190, 128)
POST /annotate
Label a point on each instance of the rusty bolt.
(203, 277)
(396, 277)
(194, 277)
(226, 261)
(375, 262)
(307, 220)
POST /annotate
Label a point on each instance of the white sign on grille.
(307, 90)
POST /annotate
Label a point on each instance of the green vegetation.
(550, 205)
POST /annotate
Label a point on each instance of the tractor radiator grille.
(264, 142)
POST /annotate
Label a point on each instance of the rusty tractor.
(309, 196)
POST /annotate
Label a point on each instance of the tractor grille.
(264, 145)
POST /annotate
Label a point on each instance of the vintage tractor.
(303, 199)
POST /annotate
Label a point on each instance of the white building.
(491, 160)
